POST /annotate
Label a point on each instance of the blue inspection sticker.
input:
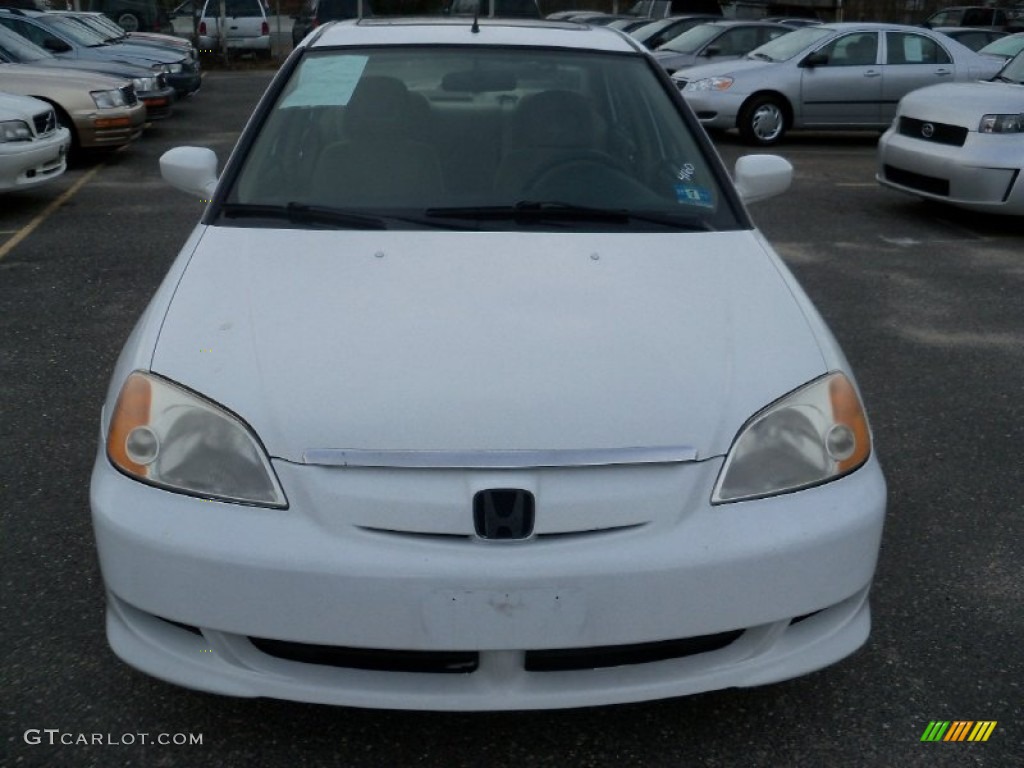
(689, 194)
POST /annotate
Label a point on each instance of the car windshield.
(75, 31)
(1013, 72)
(692, 40)
(16, 48)
(1010, 45)
(97, 29)
(786, 47)
(468, 137)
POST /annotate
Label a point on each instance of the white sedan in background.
(961, 143)
(477, 420)
(33, 146)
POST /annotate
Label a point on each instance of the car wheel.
(763, 120)
(65, 121)
(129, 22)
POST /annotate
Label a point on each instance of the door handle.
(943, 72)
(872, 73)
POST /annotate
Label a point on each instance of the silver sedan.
(961, 143)
(833, 76)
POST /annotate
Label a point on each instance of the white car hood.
(963, 103)
(479, 341)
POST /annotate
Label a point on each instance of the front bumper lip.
(981, 175)
(233, 572)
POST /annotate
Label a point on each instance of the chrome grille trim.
(512, 459)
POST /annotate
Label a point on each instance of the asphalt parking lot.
(925, 301)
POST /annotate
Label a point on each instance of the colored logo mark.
(958, 730)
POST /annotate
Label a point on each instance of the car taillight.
(202, 28)
(265, 29)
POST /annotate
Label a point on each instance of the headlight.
(108, 99)
(162, 434)
(144, 84)
(14, 130)
(709, 84)
(171, 69)
(811, 436)
(1002, 124)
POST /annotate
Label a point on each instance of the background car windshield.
(692, 39)
(376, 130)
(16, 48)
(786, 47)
(1014, 69)
(75, 31)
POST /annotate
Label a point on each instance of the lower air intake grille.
(370, 658)
(929, 184)
(568, 659)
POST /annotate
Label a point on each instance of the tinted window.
(909, 48)
(379, 131)
(857, 50)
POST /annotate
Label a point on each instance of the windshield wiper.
(301, 213)
(529, 210)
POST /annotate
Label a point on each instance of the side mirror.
(712, 50)
(53, 45)
(816, 59)
(190, 169)
(758, 177)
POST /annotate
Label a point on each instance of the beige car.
(100, 111)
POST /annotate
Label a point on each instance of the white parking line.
(29, 228)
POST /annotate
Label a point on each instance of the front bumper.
(109, 128)
(986, 174)
(259, 602)
(186, 82)
(717, 109)
(26, 164)
(159, 104)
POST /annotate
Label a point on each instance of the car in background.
(33, 145)
(716, 41)
(1005, 47)
(487, 517)
(316, 12)
(960, 144)
(131, 15)
(988, 17)
(115, 33)
(185, 76)
(794, 21)
(629, 23)
(100, 111)
(657, 33)
(972, 37)
(246, 28)
(826, 77)
(67, 38)
(505, 9)
(151, 87)
(660, 9)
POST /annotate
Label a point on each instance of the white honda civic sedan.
(477, 388)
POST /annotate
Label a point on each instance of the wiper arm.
(301, 213)
(529, 210)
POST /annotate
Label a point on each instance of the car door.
(841, 82)
(912, 61)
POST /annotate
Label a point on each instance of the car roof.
(534, 33)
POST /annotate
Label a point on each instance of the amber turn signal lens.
(847, 410)
(132, 411)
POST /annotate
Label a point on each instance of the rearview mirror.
(190, 169)
(758, 177)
